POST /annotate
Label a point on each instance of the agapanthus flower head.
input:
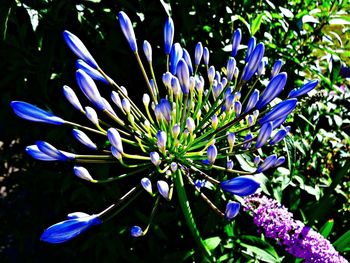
(299, 240)
(199, 118)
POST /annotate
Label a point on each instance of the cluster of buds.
(196, 123)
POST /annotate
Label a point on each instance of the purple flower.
(236, 40)
(250, 48)
(299, 240)
(253, 62)
(264, 134)
(232, 209)
(279, 111)
(198, 53)
(93, 73)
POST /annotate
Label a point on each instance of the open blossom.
(187, 133)
(299, 240)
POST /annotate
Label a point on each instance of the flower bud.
(136, 231)
(264, 134)
(236, 40)
(91, 115)
(32, 113)
(88, 87)
(206, 56)
(147, 49)
(161, 141)
(190, 124)
(166, 78)
(155, 158)
(146, 100)
(84, 139)
(229, 164)
(168, 35)
(176, 130)
(34, 152)
(304, 89)
(51, 151)
(116, 153)
(83, 173)
(211, 73)
(253, 99)
(276, 67)
(241, 185)
(253, 62)
(230, 68)
(279, 136)
(186, 56)
(198, 52)
(128, 30)
(247, 139)
(231, 139)
(250, 48)
(268, 163)
(212, 153)
(116, 99)
(115, 139)
(183, 76)
(72, 98)
(279, 111)
(126, 105)
(78, 47)
(257, 160)
(232, 209)
(214, 121)
(238, 108)
(173, 167)
(175, 56)
(147, 184)
(273, 89)
(93, 73)
(236, 73)
(200, 84)
(163, 189)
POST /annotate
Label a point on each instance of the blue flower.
(279, 111)
(93, 73)
(236, 40)
(136, 231)
(66, 230)
(241, 185)
(253, 62)
(32, 113)
(84, 139)
(264, 134)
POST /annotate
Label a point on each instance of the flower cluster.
(190, 132)
(299, 240)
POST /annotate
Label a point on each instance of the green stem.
(186, 210)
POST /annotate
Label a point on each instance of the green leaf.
(212, 242)
(326, 229)
(343, 243)
(256, 23)
(261, 254)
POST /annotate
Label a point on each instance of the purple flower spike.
(198, 52)
(279, 136)
(236, 40)
(184, 76)
(206, 56)
(128, 30)
(253, 99)
(32, 113)
(168, 35)
(186, 56)
(268, 163)
(88, 87)
(66, 230)
(230, 68)
(232, 209)
(77, 46)
(250, 48)
(279, 111)
(147, 49)
(272, 90)
(136, 231)
(264, 134)
(298, 239)
(241, 185)
(304, 89)
(253, 62)
(93, 73)
(276, 67)
(175, 56)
